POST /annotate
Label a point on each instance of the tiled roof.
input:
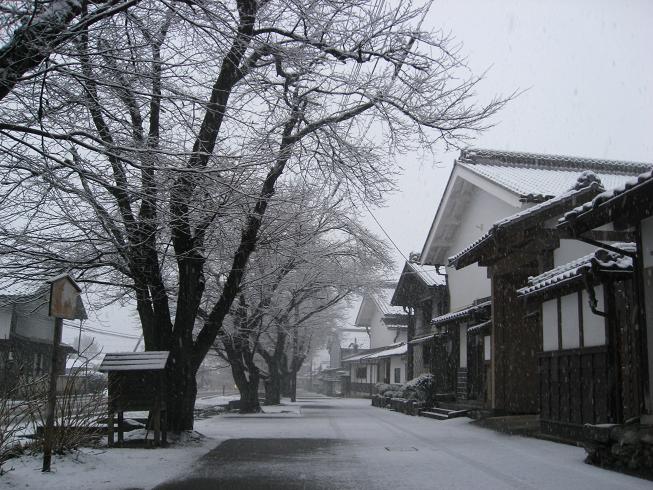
(385, 351)
(460, 314)
(586, 181)
(641, 179)
(535, 177)
(600, 260)
(382, 298)
(428, 274)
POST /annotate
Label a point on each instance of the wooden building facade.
(589, 342)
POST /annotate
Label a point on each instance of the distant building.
(26, 334)
(385, 360)
(422, 290)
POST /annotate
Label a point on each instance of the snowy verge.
(115, 468)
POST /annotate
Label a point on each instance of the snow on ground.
(214, 400)
(372, 448)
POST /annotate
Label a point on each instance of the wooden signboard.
(64, 294)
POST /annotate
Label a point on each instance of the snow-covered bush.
(421, 388)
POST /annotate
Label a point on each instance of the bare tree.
(162, 129)
(312, 255)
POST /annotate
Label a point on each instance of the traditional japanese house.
(630, 329)
(422, 291)
(485, 187)
(385, 361)
(26, 333)
(513, 249)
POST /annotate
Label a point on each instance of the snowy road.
(324, 443)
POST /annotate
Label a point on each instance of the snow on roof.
(465, 312)
(399, 348)
(641, 179)
(600, 259)
(536, 177)
(586, 181)
(395, 351)
(135, 361)
(428, 274)
(382, 298)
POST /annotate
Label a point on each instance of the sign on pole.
(65, 302)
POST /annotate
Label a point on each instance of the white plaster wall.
(401, 336)
(487, 348)
(571, 250)
(379, 333)
(398, 362)
(471, 282)
(5, 322)
(569, 318)
(593, 325)
(550, 325)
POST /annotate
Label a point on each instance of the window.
(550, 325)
(361, 372)
(569, 323)
(487, 348)
(397, 375)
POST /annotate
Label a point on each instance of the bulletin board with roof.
(137, 382)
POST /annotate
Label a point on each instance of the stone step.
(442, 413)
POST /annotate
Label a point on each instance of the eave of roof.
(416, 279)
(385, 351)
(515, 177)
(601, 261)
(484, 306)
(538, 213)
(604, 206)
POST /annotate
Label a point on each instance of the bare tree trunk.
(247, 381)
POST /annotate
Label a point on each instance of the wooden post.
(110, 426)
(157, 425)
(48, 431)
(121, 437)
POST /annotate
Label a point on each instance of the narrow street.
(328, 443)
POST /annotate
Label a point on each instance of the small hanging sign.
(65, 301)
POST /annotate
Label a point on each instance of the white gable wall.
(571, 250)
(471, 282)
(380, 335)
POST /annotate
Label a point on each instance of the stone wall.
(627, 448)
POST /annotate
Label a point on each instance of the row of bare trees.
(142, 143)
(312, 258)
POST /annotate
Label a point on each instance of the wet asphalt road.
(347, 444)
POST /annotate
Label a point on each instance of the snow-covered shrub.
(382, 388)
(421, 388)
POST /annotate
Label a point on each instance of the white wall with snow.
(471, 282)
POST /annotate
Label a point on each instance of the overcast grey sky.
(586, 68)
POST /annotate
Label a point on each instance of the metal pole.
(48, 430)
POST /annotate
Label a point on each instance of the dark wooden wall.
(517, 341)
(575, 386)
(444, 360)
(476, 375)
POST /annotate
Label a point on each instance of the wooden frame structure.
(137, 381)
